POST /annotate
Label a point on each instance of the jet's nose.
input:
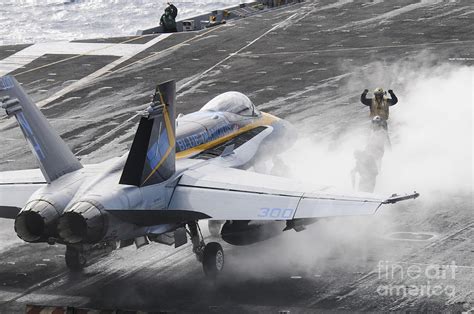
(36, 221)
(84, 222)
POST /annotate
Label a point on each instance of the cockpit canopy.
(233, 102)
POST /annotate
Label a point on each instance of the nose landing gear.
(211, 255)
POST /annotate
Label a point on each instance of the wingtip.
(395, 198)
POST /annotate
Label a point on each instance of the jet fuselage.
(98, 208)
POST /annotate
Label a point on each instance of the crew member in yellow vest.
(379, 105)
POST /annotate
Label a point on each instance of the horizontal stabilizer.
(16, 187)
(9, 212)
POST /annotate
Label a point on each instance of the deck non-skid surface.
(291, 62)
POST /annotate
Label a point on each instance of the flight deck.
(307, 63)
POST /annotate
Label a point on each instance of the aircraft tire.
(213, 259)
(75, 259)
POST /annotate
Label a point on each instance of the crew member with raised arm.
(379, 105)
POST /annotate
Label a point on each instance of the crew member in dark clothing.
(366, 168)
(168, 19)
(379, 105)
(173, 10)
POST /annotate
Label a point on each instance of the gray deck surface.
(307, 63)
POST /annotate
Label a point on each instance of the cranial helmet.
(378, 91)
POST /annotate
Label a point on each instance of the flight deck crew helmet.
(378, 91)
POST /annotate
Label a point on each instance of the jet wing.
(16, 187)
(233, 194)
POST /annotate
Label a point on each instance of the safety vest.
(379, 108)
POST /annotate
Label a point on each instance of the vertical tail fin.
(152, 157)
(53, 155)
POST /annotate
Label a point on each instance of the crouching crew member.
(168, 19)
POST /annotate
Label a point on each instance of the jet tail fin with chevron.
(152, 156)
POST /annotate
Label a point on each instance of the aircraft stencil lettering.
(30, 136)
(283, 213)
(6, 82)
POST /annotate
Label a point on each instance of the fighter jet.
(177, 173)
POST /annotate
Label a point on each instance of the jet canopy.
(233, 102)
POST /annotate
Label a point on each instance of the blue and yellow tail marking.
(152, 157)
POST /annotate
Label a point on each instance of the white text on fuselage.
(205, 136)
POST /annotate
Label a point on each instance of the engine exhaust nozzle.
(83, 223)
(36, 221)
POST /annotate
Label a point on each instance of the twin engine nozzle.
(84, 222)
(40, 220)
(37, 221)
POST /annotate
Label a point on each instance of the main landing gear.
(211, 255)
(78, 255)
(75, 258)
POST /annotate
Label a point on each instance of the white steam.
(431, 134)
(430, 130)
(433, 148)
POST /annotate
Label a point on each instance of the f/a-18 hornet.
(177, 172)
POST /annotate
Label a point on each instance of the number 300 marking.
(276, 213)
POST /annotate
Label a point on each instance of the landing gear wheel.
(75, 259)
(213, 259)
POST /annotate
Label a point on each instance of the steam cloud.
(430, 130)
(431, 134)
